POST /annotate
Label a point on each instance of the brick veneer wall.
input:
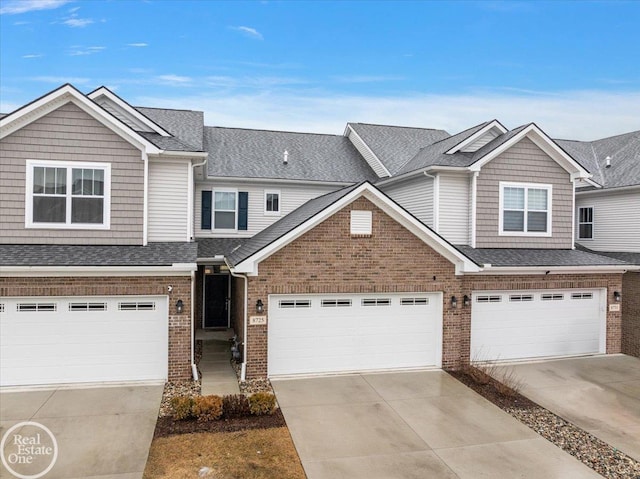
(179, 324)
(631, 314)
(328, 260)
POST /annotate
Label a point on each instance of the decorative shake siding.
(524, 163)
(70, 134)
(416, 196)
(168, 201)
(453, 221)
(291, 197)
(616, 221)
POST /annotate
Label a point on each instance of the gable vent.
(480, 142)
(361, 222)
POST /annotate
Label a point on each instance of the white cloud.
(33, 55)
(77, 51)
(174, 80)
(77, 22)
(138, 45)
(580, 115)
(366, 78)
(259, 82)
(13, 7)
(249, 32)
(61, 80)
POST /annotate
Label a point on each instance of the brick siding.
(179, 324)
(329, 260)
(631, 314)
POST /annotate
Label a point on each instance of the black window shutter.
(205, 220)
(243, 210)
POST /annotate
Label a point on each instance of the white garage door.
(532, 324)
(82, 339)
(341, 333)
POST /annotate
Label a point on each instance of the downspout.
(243, 369)
(474, 206)
(194, 369)
(145, 207)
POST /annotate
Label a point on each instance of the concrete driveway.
(100, 432)
(600, 394)
(412, 425)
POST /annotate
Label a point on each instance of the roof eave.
(489, 269)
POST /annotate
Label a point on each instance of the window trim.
(69, 166)
(592, 223)
(273, 192)
(213, 209)
(526, 186)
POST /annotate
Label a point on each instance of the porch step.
(218, 376)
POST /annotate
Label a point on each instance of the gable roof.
(244, 153)
(68, 93)
(245, 258)
(485, 134)
(394, 146)
(437, 155)
(623, 151)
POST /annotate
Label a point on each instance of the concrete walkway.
(600, 394)
(101, 432)
(412, 425)
(218, 376)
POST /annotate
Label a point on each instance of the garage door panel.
(370, 331)
(71, 346)
(503, 329)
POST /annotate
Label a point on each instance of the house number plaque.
(257, 320)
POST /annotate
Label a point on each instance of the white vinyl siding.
(291, 197)
(454, 208)
(480, 142)
(368, 155)
(616, 221)
(168, 201)
(416, 196)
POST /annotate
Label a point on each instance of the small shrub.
(182, 408)
(236, 405)
(507, 383)
(478, 374)
(262, 404)
(207, 408)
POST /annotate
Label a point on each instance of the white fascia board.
(421, 171)
(236, 179)
(177, 269)
(48, 103)
(546, 144)
(441, 246)
(213, 260)
(353, 132)
(550, 270)
(494, 124)
(178, 155)
(605, 191)
(104, 91)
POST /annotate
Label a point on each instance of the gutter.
(548, 270)
(243, 369)
(176, 269)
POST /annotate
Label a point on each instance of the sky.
(571, 67)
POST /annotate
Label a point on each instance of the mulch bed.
(591, 451)
(167, 426)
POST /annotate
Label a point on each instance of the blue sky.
(572, 67)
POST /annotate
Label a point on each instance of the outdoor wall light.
(179, 306)
(466, 301)
(617, 296)
(259, 306)
(454, 302)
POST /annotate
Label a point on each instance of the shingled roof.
(243, 153)
(623, 151)
(186, 125)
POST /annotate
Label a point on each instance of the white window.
(294, 303)
(224, 210)
(361, 222)
(376, 302)
(336, 303)
(67, 195)
(414, 301)
(520, 297)
(525, 209)
(272, 203)
(585, 223)
(552, 297)
(488, 299)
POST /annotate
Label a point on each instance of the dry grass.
(254, 454)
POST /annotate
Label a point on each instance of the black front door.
(216, 290)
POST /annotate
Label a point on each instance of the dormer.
(485, 135)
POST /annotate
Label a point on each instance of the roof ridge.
(167, 109)
(396, 126)
(274, 131)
